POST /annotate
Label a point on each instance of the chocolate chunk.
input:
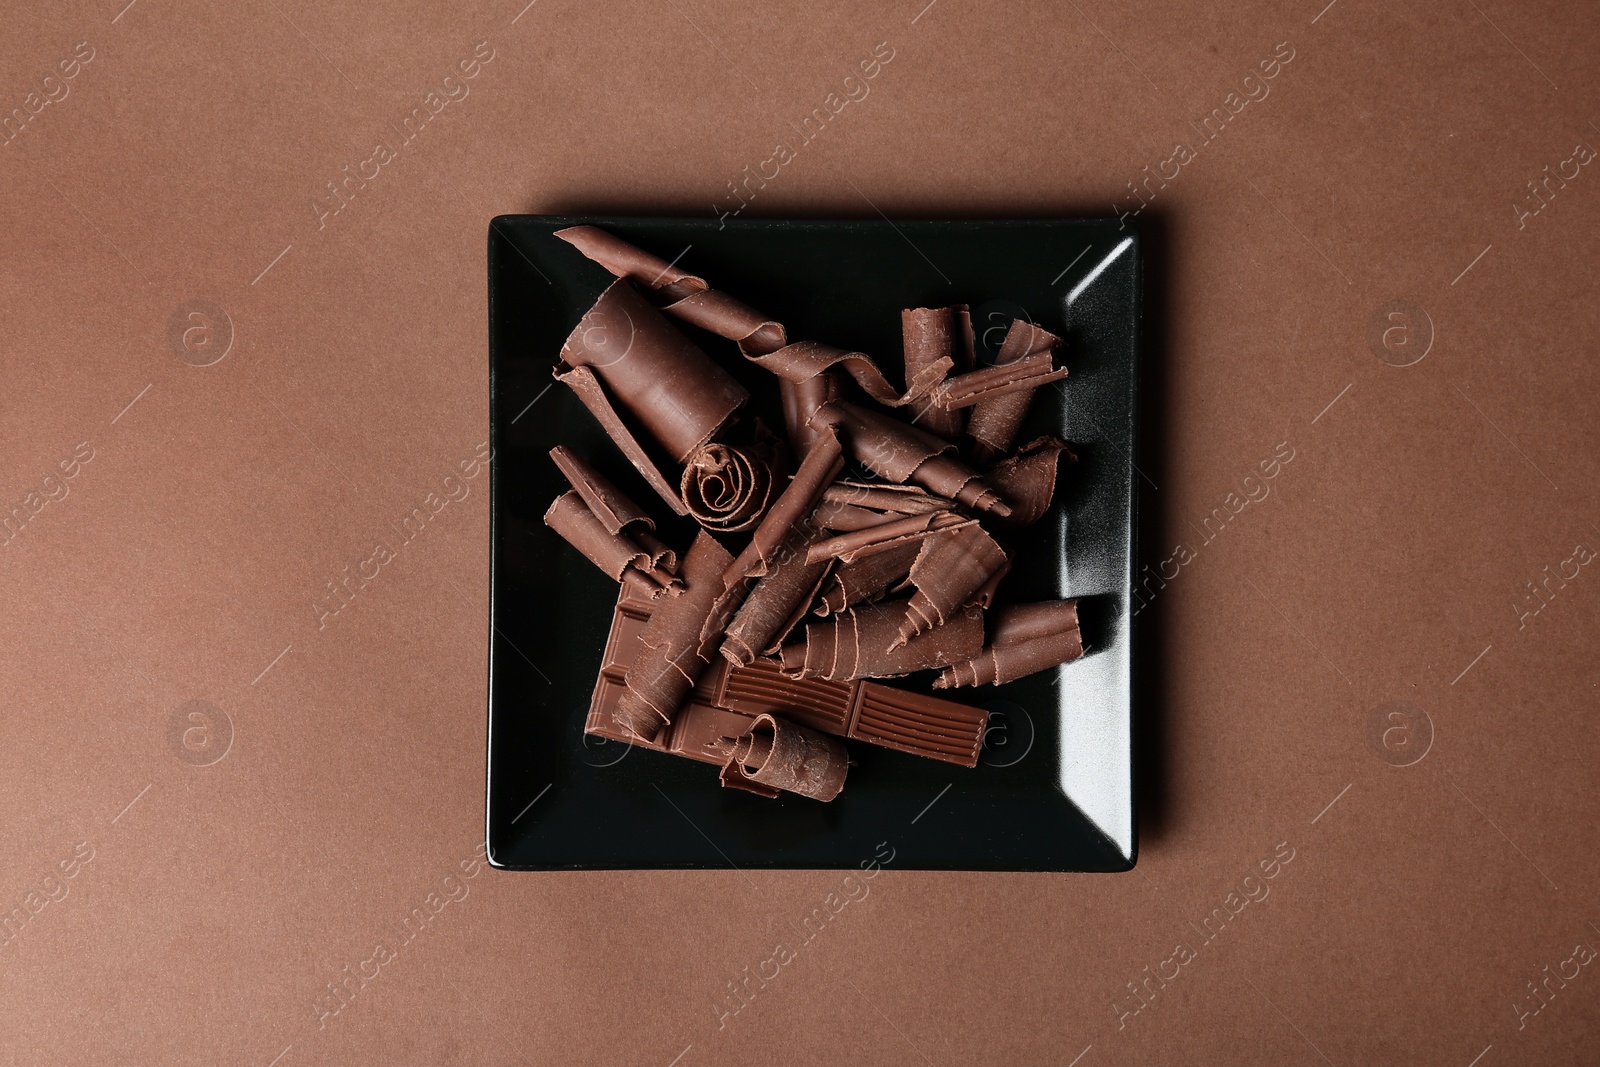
(780, 755)
(615, 553)
(865, 644)
(993, 424)
(930, 335)
(953, 565)
(1026, 638)
(867, 578)
(726, 488)
(901, 452)
(1027, 480)
(670, 662)
(1002, 379)
(677, 393)
(776, 602)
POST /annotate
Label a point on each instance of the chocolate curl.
(669, 664)
(1027, 638)
(609, 504)
(859, 544)
(1025, 374)
(867, 578)
(928, 336)
(582, 381)
(801, 401)
(1027, 480)
(857, 644)
(763, 341)
(677, 393)
(821, 465)
(779, 755)
(900, 452)
(725, 488)
(676, 291)
(776, 602)
(952, 567)
(993, 424)
(615, 553)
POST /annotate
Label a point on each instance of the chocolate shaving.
(781, 755)
(929, 336)
(869, 541)
(867, 578)
(1027, 480)
(776, 602)
(993, 424)
(671, 660)
(726, 488)
(1027, 638)
(609, 504)
(821, 465)
(953, 565)
(583, 381)
(615, 553)
(900, 452)
(678, 394)
(1002, 379)
(800, 401)
(865, 644)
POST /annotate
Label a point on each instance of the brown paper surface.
(253, 779)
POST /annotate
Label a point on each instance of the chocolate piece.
(900, 452)
(865, 644)
(776, 602)
(867, 578)
(677, 393)
(928, 336)
(1002, 379)
(953, 565)
(821, 465)
(1027, 480)
(726, 488)
(870, 540)
(615, 553)
(993, 424)
(860, 710)
(609, 504)
(800, 401)
(583, 381)
(1026, 638)
(901, 499)
(667, 667)
(784, 756)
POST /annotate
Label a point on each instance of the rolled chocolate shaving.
(1027, 480)
(761, 340)
(867, 578)
(857, 644)
(780, 755)
(1002, 379)
(928, 336)
(952, 566)
(615, 553)
(662, 556)
(726, 488)
(821, 465)
(609, 504)
(901, 499)
(1027, 638)
(678, 394)
(900, 452)
(858, 544)
(582, 381)
(776, 602)
(670, 661)
(800, 401)
(993, 424)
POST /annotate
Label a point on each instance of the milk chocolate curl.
(804, 360)
(776, 602)
(677, 393)
(869, 541)
(1002, 379)
(821, 465)
(801, 401)
(781, 755)
(1027, 638)
(615, 553)
(867, 578)
(609, 504)
(901, 452)
(675, 290)
(952, 567)
(1027, 480)
(670, 663)
(586, 385)
(726, 488)
(857, 644)
(993, 424)
(929, 335)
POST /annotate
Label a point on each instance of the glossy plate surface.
(1054, 790)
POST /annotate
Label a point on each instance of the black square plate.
(1054, 790)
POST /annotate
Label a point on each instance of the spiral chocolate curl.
(726, 488)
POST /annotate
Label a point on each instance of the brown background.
(1387, 564)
